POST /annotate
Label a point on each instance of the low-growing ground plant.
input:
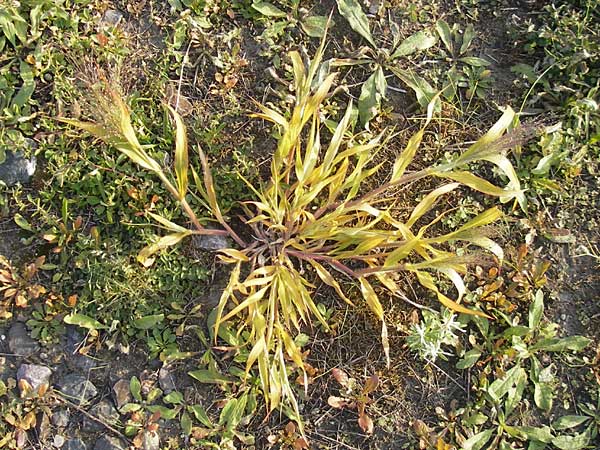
(318, 212)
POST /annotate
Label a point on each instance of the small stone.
(109, 443)
(60, 418)
(77, 387)
(19, 341)
(166, 380)
(208, 242)
(104, 411)
(111, 18)
(58, 441)
(17, 169)
(74, 444)
(120, 393)
(151, 440)
(36, 376)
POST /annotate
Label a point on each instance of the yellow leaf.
(326, 277)
(426, 281)
(371, 297)
(164, 242)
(181, 154)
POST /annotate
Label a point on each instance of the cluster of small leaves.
(465, 72)
(353, 395)
(564, 42)
(20, 410)
(511, 361)
(436, 329)
(18, 288)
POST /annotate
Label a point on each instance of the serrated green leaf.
(153, 395)
(467, 38)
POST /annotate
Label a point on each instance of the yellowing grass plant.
(315, 212)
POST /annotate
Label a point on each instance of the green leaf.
(201, 415)
(372, 91)
(543, 395)
(22, 222)
(500, 387)
(130, 407)
(357, 19)
(421, 40)
(186, 424)
(575, 442)
(541, 434)
(3, 389)
(474, 61)
(515, 394)
(27, 87)
(83, 321)
(423, 90)
(478, 441)
(136, 388)
(147, 322)
(153, 395)
(314, 26)
(267, 9)
(467, 38)
(209, 376)
(573, 343)
(566, 422)
(445, 34)
(165, 413)
(174, 397)
(536, 310)
(469, 360)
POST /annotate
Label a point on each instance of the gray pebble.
(109, 443)
(19, 341)
(35, 375)
(74, 444)
(105, 411)
(77, 388)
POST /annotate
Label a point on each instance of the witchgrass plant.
(315, 211)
